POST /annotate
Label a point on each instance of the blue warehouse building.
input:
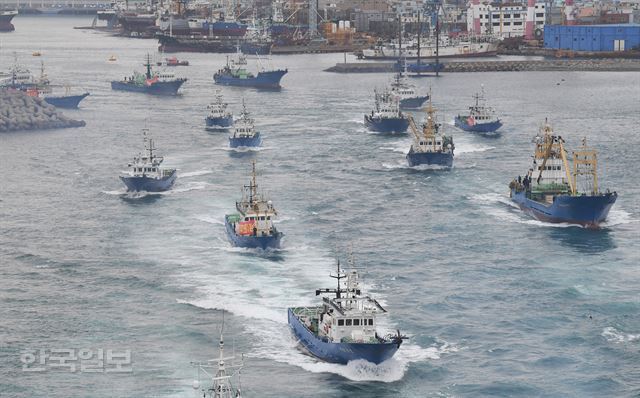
(592, 38)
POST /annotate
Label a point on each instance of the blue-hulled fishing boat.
(430, 146)
(219, 117)
(386, 117)
(481, 118)
(343, 328)
(150, 82)
(146, 172)
(553, 192)
(252, 226)
(244, 132)
(235, 73)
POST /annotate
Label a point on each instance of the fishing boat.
(447, 47)
(219, 117)
(172, 61)
(553, 192)
(221, 383)
(146, 172)
(66, 101)
(244, 131)
(112, 58)
(5, 20)
(252, 226)
(386, 117)
(343, 328)
(150, 82)
(407, 93)
(235, 73)
(430, 146)
(481, 118)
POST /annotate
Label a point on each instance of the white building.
(505, 19)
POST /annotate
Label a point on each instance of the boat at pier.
(235, 73)
(470, 46)
(430, 146)
(221, 383)
(146, 172)
(481, 118)
(150, 82)
(386, 117)
(552, 192)
(5, 20)
(219, 117)
(244, 131)
(200, 44)
(343, 328)
(252, 226)
(407, 93)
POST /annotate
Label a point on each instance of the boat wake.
(245, 149)
(614, 335)
(190, 186)
(467, 147)
(617, 217)
(195, 173)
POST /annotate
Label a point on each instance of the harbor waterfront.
(493, 302)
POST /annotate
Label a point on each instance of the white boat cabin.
(387, 106)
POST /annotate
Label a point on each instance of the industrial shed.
(592, 38)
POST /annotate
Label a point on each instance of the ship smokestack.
(568, 13)
(529, 24)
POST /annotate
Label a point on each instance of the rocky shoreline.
(19, 111)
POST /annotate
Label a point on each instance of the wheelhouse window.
(371, 322)
(340, 322)
(356, 322)
(348, 322)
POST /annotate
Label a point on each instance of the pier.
(573, 65)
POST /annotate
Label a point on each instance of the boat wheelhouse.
(146, 172)
(430, 146)
(481, 118)
(552, 191)
(253, 224)
(344, 327)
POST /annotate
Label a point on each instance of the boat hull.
(413, 102)
(340, 352)
(586, 210)
(219, 123)
(444, 159)
(270, 79)
(245, 142)
(256, 48)
(147, 184)
(491, 127)
(386, 125)
(251, 242)
(66, 101)
(158, 88)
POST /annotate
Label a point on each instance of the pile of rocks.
(19, 111)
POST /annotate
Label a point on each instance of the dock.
(573, 65)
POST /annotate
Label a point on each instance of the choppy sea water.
(494, 303)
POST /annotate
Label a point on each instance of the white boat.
(464, 46)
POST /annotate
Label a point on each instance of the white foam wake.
(614, 335)
(195, 173)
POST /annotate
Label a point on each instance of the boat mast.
(419, 34)
(585, 162)
(148, 65)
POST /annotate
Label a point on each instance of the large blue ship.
(244, 132)
(252, 226)
(386, 117)
(235, 73)
(343, 328)
(481, 118)
(430, 146)
(553, 192)
(146, 172)
(219, 117)
(150, 82)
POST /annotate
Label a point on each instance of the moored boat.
(146, 172)
(430, 146)
(553, 192)
(252, 226)
(386, 117)
(343, 328)
(481, 118)
(219, 117)
(244, 132)
(150, 82)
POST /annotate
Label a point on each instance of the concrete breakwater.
(19, 111)
(601, 65)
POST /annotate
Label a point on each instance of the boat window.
(268, 217)
(371, 322)
(340, 322)
(348, 322)
(356, 322)
(262, 218)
